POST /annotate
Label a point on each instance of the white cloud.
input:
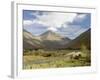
(52, 29)
(27, 22)
(81, 16)
(56, 19)
(52, 20)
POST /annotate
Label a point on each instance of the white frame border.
(17, 71)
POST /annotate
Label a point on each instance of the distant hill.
(30, 41)
(53, 40)
(81, 40)
(47, 40)
(65, 40)
(49, 35)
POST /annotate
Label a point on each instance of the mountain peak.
(50, 35)
(48, 32)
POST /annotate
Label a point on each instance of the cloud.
(72, 31)
(81, 16)
(55, 19)
(52, 20)
(27, 22)
(67, 24)
(82, 19)
(35, 29)
(52, 29)
(80, 23)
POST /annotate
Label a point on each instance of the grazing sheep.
(75, 55)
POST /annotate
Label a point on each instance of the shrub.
(84, 49)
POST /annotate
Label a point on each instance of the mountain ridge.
(50, 35)
(52, 40)
(82, 40)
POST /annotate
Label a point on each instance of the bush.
(84, 49)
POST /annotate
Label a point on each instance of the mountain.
(49, 35)
(81, 40)
(53, 40)
(65, 40)
(30, 41)
(47, 40)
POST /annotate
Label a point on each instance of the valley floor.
(55, 58)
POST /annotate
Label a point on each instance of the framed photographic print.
(49, 40)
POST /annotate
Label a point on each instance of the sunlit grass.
(54, 59)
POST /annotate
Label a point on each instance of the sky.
(67, 24)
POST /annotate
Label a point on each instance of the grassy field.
(55, 58)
